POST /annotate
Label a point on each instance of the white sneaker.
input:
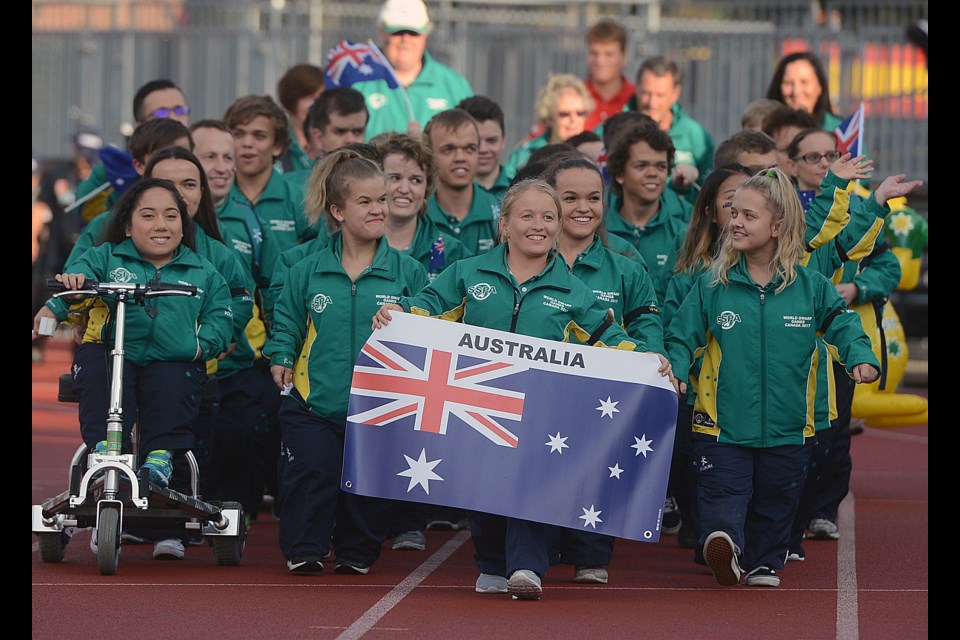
(822, 529)
(524, 585)
(169, 549)
(93, 541)
(595, 575)
(489, 583)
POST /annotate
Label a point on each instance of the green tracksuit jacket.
(478, 231)
(322, 319)
(436, 89)
(180, 323)
(757, 385)
(658, 242)
(623, 285)
(554, 305)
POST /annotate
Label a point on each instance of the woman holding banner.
(508, 289)
(316, 338)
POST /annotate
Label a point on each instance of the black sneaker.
(305, 565)
(797, 555)
(670, 524)
(763, 577)
(687, 537)
(351, 568)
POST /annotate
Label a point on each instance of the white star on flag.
(615, 470)
(642, 446)
(608, 407)
(590, 517)
(420, 471)
(365, 69)
(556, 443)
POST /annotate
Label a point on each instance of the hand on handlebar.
(71, 280)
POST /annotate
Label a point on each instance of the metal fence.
(90, 57)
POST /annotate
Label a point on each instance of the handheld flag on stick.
(850, 134)
(121, 175)
(457, 415)
(350, 62)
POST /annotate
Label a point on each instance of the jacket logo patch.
(320, 302)
(481, 291)
(702, 419)
(727, 319)
(122, 275)
(376, 101)
(439, 104)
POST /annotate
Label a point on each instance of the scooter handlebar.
(151, 289)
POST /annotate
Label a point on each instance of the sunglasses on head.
(164, 112)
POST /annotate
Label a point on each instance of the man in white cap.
(432, 87)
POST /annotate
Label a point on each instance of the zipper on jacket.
(516, 311)
(353, 316)
(156, 308)
(763, 369)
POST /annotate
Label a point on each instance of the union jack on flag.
(351, 62)
(431, 385)
(850, 134)
(451, 414)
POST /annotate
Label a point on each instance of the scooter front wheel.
(108, 541)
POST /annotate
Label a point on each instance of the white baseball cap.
(404, 15)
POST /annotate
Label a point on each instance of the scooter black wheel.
(52, 545)
(229, 549)
(108, 541)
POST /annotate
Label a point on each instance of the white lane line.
(366, 585)
(375, 613)
(848, 614)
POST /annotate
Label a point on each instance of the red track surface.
(871, 584)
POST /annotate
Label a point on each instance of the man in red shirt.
(606, 59)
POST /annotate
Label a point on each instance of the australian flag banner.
(452, 414)
(351, 62)
(438, 258)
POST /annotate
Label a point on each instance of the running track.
(869, 585)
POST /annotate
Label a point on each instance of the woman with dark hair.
(619, 282)
(800, 82)
(149, 237)
(232, 414)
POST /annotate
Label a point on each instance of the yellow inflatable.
(906, 233)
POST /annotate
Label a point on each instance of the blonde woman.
(759, 312)
(562, 105)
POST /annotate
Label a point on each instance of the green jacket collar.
(332, 255)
